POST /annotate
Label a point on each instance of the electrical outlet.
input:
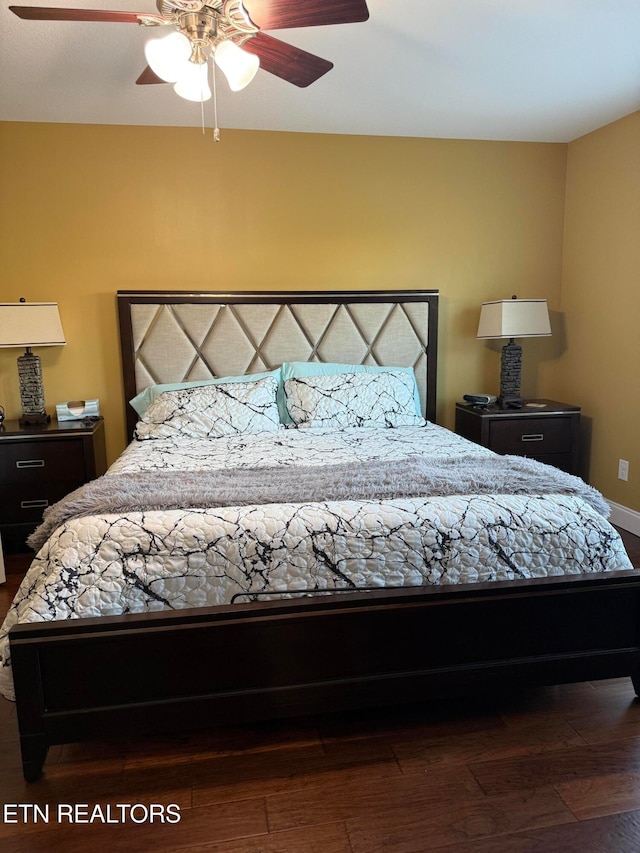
(623, 469)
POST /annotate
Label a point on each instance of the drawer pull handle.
(534, 436)
(30, 463)
(42, 504)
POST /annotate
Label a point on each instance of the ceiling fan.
(228, 31)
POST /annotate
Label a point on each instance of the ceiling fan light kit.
(229, 32)
(214, 31)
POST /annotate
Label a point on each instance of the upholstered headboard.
(175, 336)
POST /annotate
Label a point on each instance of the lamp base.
(31, 390)
(510, 401)
(510, 371)
(33, 420)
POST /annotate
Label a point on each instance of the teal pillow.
(144, 399)
(296, 369)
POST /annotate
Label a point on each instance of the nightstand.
(542, 429)
(38, 466)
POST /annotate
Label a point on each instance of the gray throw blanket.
(374, 480)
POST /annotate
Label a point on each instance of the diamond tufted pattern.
(176, 343)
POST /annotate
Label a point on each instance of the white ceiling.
(531, 70)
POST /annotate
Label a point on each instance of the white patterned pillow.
(210, 411)
(352, 400)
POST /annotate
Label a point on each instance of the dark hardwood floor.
(546, 770)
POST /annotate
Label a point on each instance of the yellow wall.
(87, 210)
(600, 364)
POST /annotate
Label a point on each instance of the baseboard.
(624, 517)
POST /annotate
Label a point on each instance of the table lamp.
(513, 318)
(31, 324)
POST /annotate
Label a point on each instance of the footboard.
(95, 678)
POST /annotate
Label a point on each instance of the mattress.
(106, 564)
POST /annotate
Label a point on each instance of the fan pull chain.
(216, 129)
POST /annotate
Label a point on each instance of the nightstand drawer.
(552, 437)
(39, 465)
(42, 461)
(28, 503)
(531, 436)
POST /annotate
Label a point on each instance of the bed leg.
(34, 752)
(635, 680)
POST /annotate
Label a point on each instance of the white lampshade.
(192, 83)
(514, 318)
(237, 65)
(30, 324)
(168, 55)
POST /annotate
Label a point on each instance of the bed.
(297, 585)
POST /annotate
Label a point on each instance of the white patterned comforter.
(110, 565)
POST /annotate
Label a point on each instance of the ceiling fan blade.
(149, 76)
(286, 61)
(282, 14)
(43, 13)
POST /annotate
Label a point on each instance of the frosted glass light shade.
(237, 65)
(167, 56)
(192, 83)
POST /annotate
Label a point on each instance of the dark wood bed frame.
(172, 671)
